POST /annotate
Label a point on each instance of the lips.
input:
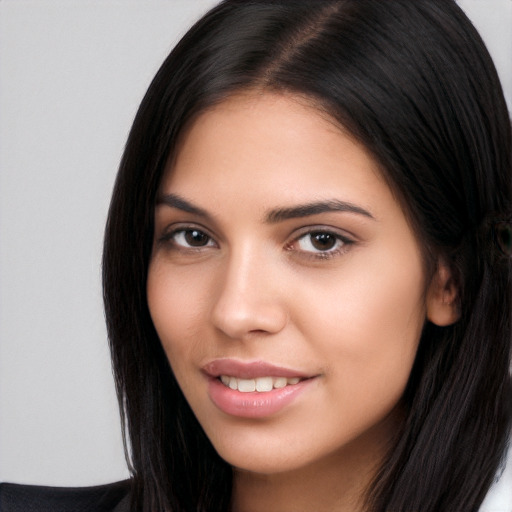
(250, 370)
(254, 389)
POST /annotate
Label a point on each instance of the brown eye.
(319, 241)
(191, 238)
(196, 238)
(323, 241)
(322, 244)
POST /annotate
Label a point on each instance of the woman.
(307, 263)
(318, 192)
(404, 96)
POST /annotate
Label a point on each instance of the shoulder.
(35, 498)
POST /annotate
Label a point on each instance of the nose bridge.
(248, 300)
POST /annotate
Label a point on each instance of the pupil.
(323, 241)
(195, 238)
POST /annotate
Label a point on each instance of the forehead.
(281, 140)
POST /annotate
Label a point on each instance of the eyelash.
(170, 238)
(342, 243)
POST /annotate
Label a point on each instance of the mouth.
(254, 389)
(259, 384)
(253, 371)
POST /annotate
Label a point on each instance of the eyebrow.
(276, 215)
(175, 201)
(306, 210)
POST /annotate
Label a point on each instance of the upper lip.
(249, 370)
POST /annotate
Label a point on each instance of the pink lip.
(249, 370)
(253, 404)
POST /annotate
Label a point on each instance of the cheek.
(367, 330)
(176, 303)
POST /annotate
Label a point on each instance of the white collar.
(499, 498)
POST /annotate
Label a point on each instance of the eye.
(190, 238)
(321, 244)
(319, 241)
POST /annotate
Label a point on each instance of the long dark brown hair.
(414, 83)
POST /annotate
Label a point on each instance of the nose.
(250, 299)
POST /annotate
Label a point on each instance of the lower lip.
(254, 404)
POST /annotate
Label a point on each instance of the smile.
(255, 389)
(260, 384)
(252, 403)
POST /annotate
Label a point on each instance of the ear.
(442, 298)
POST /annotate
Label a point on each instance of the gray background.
(71, 76)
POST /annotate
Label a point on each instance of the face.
(286, 285)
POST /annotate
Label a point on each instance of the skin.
(254, 288)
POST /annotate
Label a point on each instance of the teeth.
(260, 384)
(246, 385)
(280, 382)
(264, 384)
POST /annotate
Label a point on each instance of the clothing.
(499, 497)
(34, 498)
